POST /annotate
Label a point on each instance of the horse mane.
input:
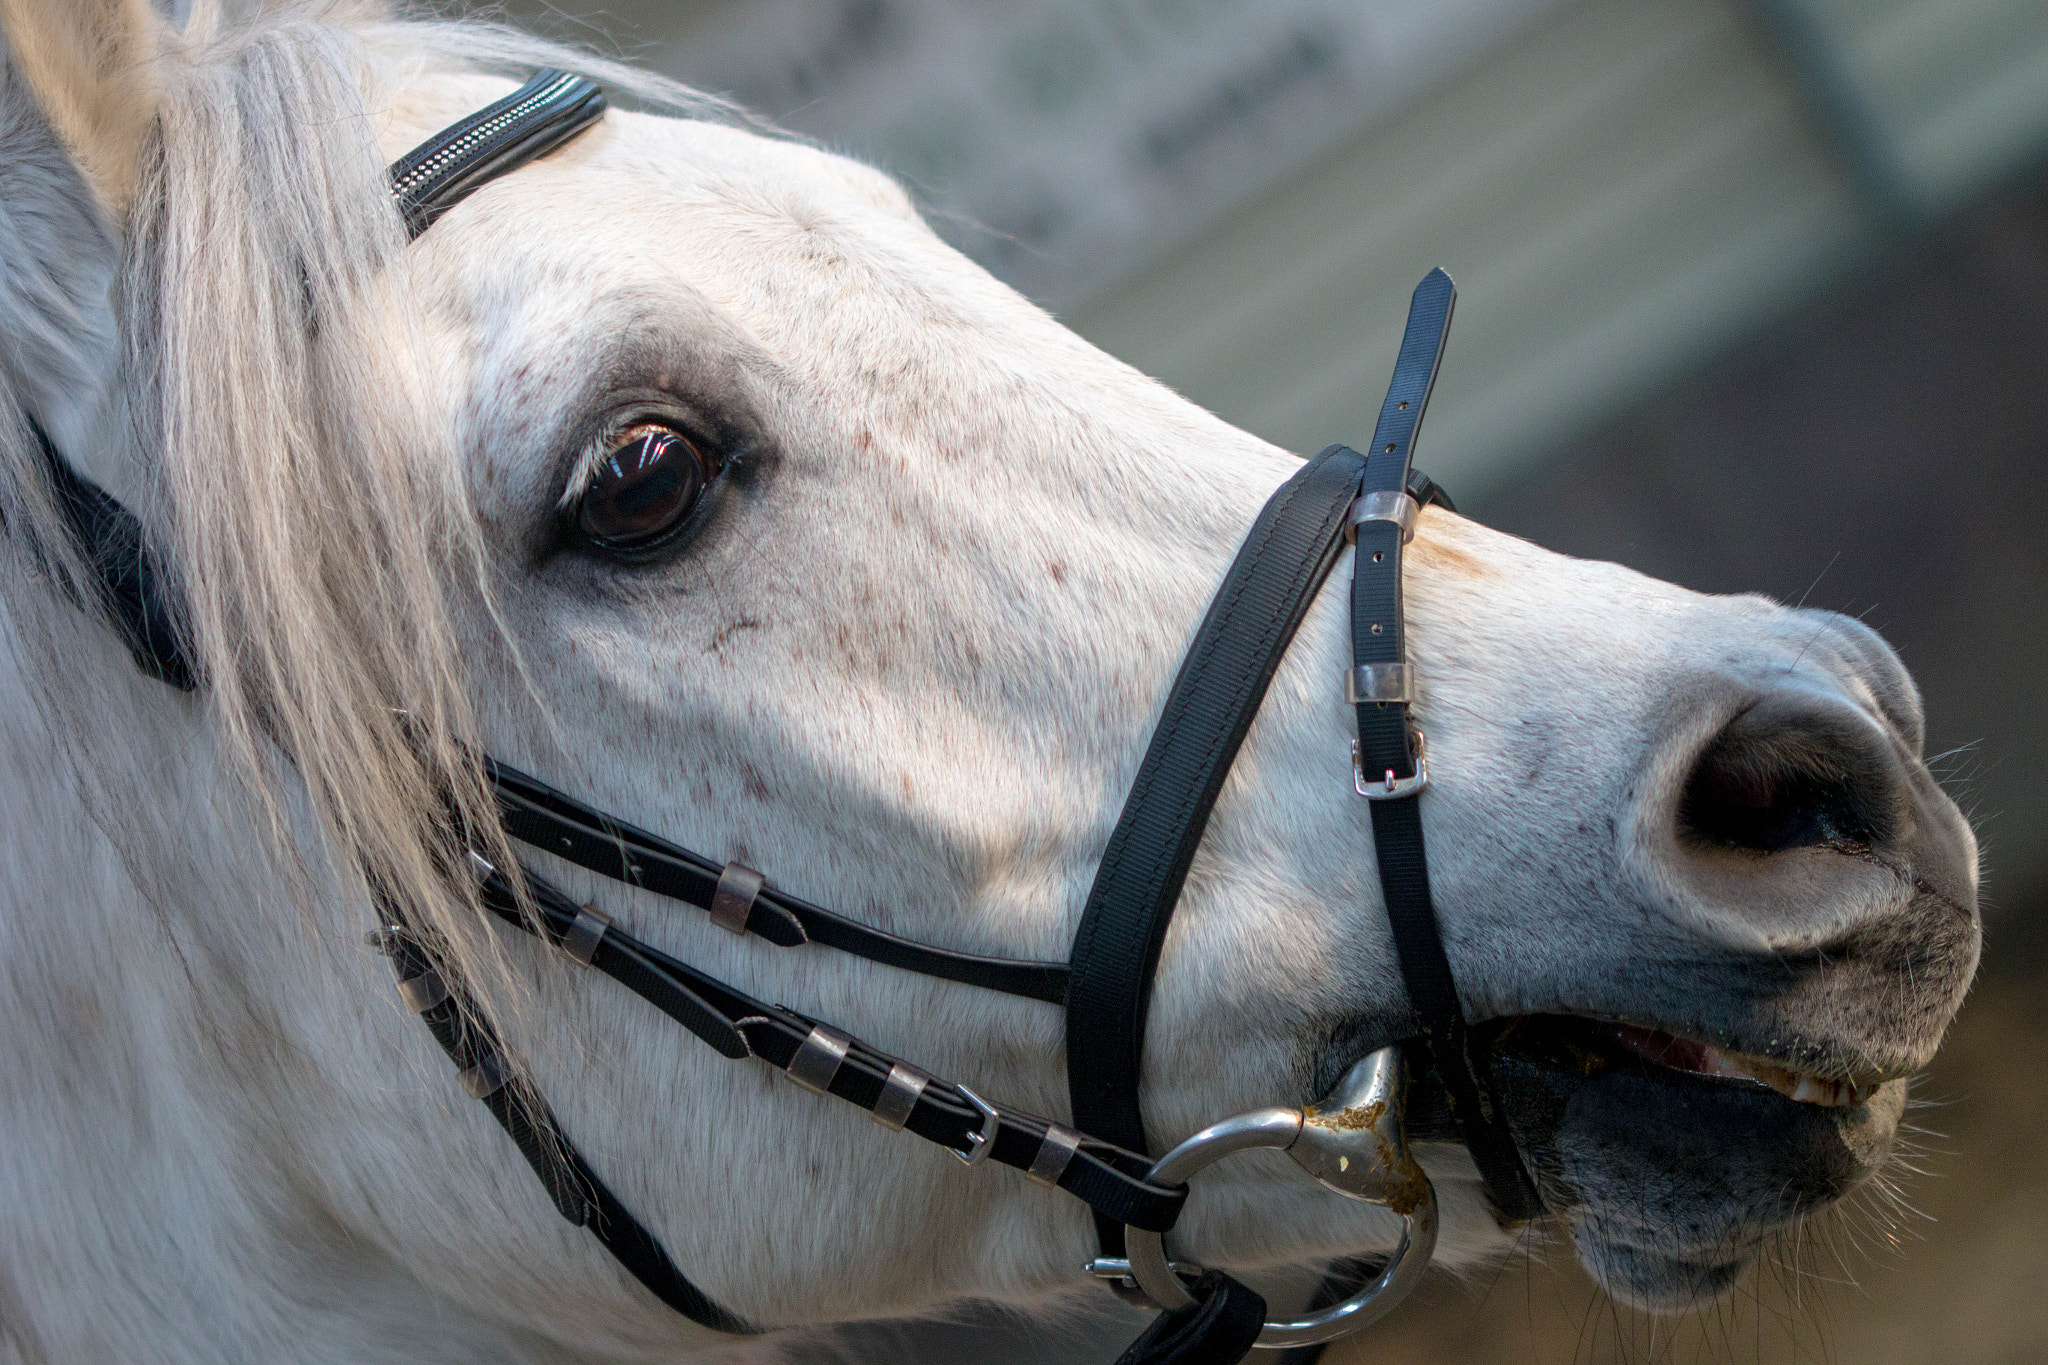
(291, 469)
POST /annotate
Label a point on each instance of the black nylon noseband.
(1268, 590)
(1105, 989)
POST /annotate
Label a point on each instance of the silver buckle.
(978, 1143)
(1391, 787)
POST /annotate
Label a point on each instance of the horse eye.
(643, 490)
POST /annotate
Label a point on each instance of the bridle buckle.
(978, 1143)
(1390, 787)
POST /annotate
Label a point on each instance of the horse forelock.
(280, 443)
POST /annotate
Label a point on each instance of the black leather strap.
(499, 138)
(1107, 1178)
(1271, 583)
(131, 579)
(1218, 1328)
(578, 1194)
(548, 819)
(1384, 741)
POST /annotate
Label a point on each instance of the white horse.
(903, 653)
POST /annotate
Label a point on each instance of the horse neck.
(159, 1002)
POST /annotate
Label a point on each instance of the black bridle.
(1338, 497)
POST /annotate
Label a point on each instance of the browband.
(425, 183)
(526, 125)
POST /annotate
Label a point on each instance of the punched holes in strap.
(738, 887)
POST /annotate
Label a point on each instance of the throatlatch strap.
(1385, 750)
(110, 539)
(578, 1194)
(1285, 559)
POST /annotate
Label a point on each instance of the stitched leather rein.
(1339, 497)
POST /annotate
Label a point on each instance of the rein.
(1352, 1142)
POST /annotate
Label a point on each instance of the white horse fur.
(907, 668)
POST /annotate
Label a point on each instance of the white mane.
(308, 502)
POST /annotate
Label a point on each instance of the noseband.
(1352, 1142)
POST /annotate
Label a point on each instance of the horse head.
(689, 468)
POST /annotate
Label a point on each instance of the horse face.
(905, 649)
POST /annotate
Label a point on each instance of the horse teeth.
(1796, 1085)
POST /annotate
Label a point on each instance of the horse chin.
(1670, 1180)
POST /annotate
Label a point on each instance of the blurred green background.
(1753, 296)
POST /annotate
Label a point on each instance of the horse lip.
(1704, 1059)
(1801, 1070)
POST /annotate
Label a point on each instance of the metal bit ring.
(1340, 1142)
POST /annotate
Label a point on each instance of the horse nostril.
(1789, 776)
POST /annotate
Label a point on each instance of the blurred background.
(1753, 296)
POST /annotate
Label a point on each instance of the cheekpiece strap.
(1391, 759)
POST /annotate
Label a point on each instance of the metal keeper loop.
(817, 1060)
(1396, 507)
(733, 901)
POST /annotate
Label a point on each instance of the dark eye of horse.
(644, 489)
